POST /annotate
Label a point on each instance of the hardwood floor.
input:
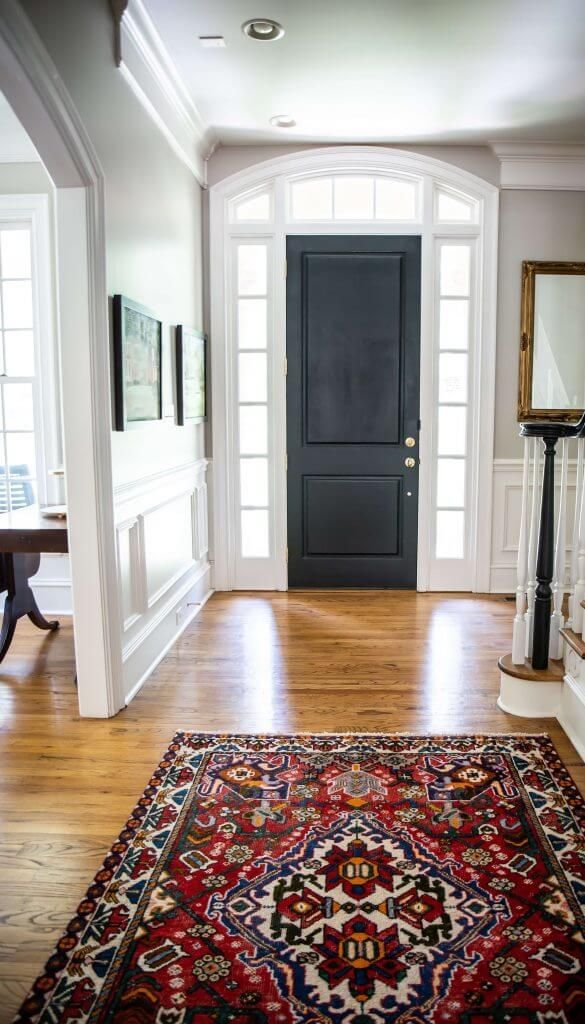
(304, 661)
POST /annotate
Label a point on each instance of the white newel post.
(534, 444)
(519, 633)
(557, 620)
(574, 567)
(579, 594)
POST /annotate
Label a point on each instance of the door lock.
(410, 463)
(410, 442)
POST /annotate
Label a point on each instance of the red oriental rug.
(335, 880)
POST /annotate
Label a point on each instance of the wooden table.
(24, 535)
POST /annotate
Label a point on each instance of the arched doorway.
(37, 95)
(353, 191)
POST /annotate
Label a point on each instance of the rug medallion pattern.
(335, 880)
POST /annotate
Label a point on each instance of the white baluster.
(519, 632)
(533, 542)
(574, 570)
(557, 620)
(579, 596)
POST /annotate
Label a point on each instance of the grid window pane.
(253, 430)
(454, 323)
(20, 353)
(452, 377)
(15, 253)
(17, 303)
(450, 540)
(452, 430)
(395, 200)
(21, 454)
(451, 483)
(252, 326)
(455, 268)
(254, 482)
(252, 269)
(255, 533)
(312, 200)
(255, 208)
(354, 198)
(252, 376)
(452, 208)
(18, 406)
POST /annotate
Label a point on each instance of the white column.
(579, 596)
(574, 569)
(519, 633)
(533, 541)
(557, 620)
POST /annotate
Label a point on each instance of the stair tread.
(575, 641)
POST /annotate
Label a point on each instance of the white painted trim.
(527, 699)
(149, 70)
(507, 481)
(128, 490)
(544, 165)
(277, 172)
(33, 87)
(204, 596)
(572, 712)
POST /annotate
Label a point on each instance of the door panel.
(353, 349)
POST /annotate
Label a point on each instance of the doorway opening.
(355, 192)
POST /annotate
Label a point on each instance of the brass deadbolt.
(410, 442)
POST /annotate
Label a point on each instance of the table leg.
(15, 572)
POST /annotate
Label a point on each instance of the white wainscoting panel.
(507, 507)
(163, 568)
(52, 585)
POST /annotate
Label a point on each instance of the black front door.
(353, 351)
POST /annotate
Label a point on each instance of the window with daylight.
(257, 206)
(18, 457)
(359, 197)
(452, 449)
(252, 372)
(454, 208)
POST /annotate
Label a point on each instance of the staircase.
(544, 675)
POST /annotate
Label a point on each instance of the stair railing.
(543, 624)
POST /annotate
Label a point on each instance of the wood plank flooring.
(303, 661)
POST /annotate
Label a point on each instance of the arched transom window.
(456, 216)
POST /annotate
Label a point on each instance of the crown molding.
(151, 74)
(541, 165)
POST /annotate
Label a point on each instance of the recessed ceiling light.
(283, 121)
(265, 30)
(212, 42)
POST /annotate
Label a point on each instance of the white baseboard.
(145, 652)
(571, 714)
(53, 597)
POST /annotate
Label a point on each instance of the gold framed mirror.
(552, 342)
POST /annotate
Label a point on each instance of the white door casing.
(452, 208)
(34, 89)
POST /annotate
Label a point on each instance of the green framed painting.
(191, 360)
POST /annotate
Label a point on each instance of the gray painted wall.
(533, 225)
(153, 210)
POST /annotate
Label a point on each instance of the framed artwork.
(137, 364)
(191, 376)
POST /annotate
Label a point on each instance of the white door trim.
(275, 174)
(32, 85)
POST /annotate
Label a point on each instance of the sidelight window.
(454, 299)
(251, 273)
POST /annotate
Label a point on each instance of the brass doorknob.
(410, 442)
(410, 463)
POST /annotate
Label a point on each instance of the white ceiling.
(15, 145)
(385, 70)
